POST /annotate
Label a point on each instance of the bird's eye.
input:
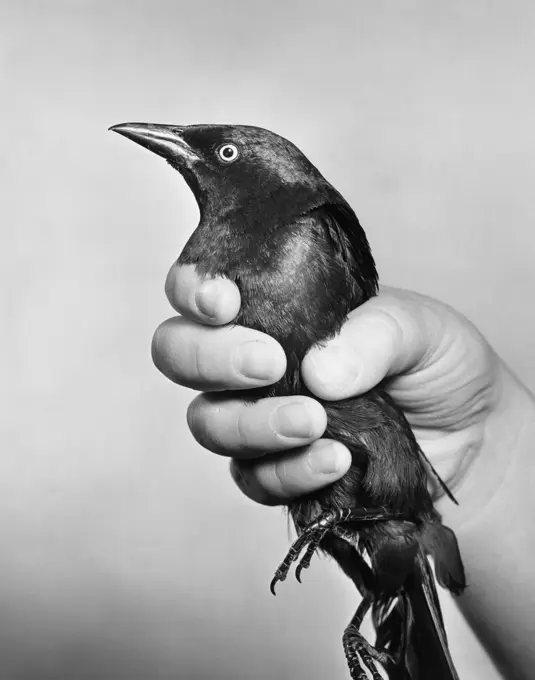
(228, 153)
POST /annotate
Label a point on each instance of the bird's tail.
(413, 632)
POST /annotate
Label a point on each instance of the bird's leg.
(311, 549)
(291, 556)
(318, 528)
(355, 567)
(356, 647)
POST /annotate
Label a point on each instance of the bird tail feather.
(413, 632)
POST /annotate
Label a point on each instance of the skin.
(473, 418)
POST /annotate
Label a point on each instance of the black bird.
(273, 224)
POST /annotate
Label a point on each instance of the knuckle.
(202, 362)
(388, 325)
(174, 292)
(270, 482)
(250, 433)
(212, 360)
(242, 429)
(173, 351)
(279, 478)
(180, 285)
(160, 344)
(413, 332)
(194, 417)
(248, 478)
(239, 475)
(170, 282)
(203, 424)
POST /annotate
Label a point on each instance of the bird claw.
(311, 538)
(298, 571)
(316, 530)
(279, 576)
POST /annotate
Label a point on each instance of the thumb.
(392, 333)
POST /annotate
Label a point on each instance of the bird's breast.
(297, 291)
(294, 284)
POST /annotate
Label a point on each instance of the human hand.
(472, 417)
(434, 362)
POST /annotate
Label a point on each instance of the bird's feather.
(273, 224)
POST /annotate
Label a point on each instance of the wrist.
(494, 528)
(498, 456)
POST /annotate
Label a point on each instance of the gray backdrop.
(126, 550)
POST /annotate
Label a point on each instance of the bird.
(271, 223)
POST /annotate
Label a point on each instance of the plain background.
(126, 551)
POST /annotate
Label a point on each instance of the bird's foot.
(361, 656)
(313, 533)
(359, 652)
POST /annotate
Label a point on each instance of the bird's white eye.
(228, 153)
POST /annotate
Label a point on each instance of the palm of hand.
(449, 395)
(435, 364)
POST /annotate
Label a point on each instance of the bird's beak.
(164, 140)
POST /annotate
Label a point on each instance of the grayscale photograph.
(268, 358)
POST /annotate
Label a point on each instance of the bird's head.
(232, 167)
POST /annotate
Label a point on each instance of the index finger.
(211, 301)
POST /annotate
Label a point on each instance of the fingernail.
(293, 420)
(207, 298)
(326, 458)
(333, 369)
(254, 360)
